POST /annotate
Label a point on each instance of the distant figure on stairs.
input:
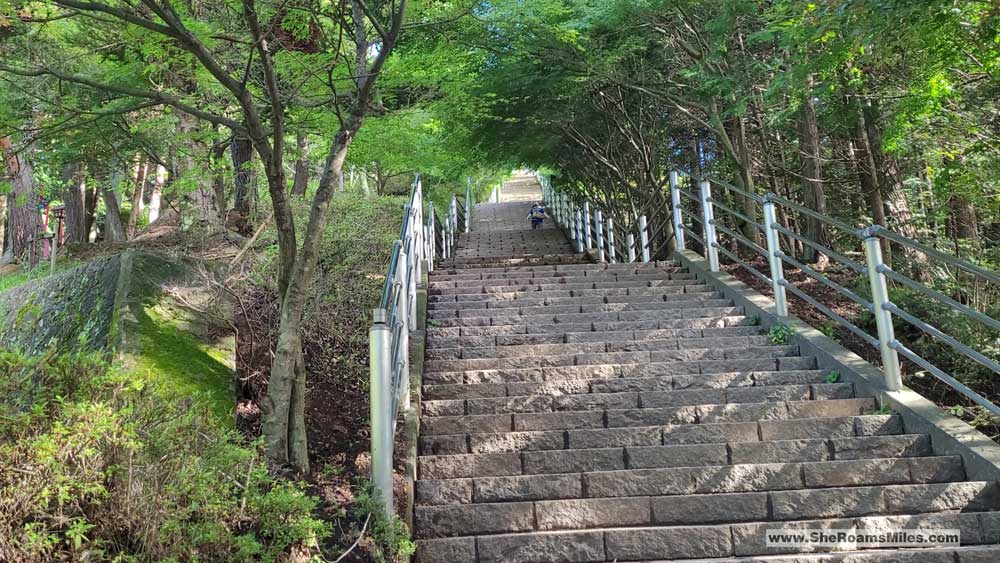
(537, 215)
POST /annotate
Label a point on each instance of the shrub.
(98, 465)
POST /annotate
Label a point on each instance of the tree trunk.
(963, 222)
(199, 208)
(138, 194)
(156, 194)
(3, 227)
(74, 199)
(864, 164)
(810, 171)
(301, 178)
(114, 229)
(246, 187)
(745, 179)
(25, 221)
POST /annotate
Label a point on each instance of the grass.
(41, 271)
(183, 365)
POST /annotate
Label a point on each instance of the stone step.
(564, 279)
(436, 339)
(514, 258)
(737, 445)
(678, 445)
(621, 384)
(777, 506)
(698, 323)
(597, 354)
(444, 274)
(622, 370)
(670, 312)
(667, 286)
(500, 315)
(701, 492)
(675, 293)
(592, 546)
(453, 288)
(683, 543)
(651, 416)
(588, 266)
(968, 554)
(654, 341)
(538, 403)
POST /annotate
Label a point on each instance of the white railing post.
(611, 241)
(468, 205)
(643, 239)
(630, 242)
(579, 233)
(708, 218)
(883, 318)
(774, 257)
(599, 232)
(403, 313)
(675, 203)
(380, 393)
(586, 225)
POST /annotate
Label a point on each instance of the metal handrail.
(877, 272)
(580, 223)
(389, 338)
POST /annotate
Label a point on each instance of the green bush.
(99, 466)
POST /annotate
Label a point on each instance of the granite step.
(534, 373)
(530, 307)
(619, 384)
(669, 312)
(591, 546)
(456, 288)
(539, 403)
(597, 354)
(675, 293)
(701, 323)
(438, 339)
(664, 287)
(701, 491)
(820, 410)
(653, 341)
(738, 445)
(669, 446)
(773, 507)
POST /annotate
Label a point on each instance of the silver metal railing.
(886, 314)
(589, 228)
(389, 337)
(721, 224)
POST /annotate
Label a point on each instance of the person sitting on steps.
(537, 215)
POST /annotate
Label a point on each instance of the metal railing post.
(579, 233)
(403, 312)
(468, 205)
(631, 247)
(774, 257)
(567, 218)
(708, 217)
(599, 232)
(586, 225)
(643, 239)
(611, 241)
(883, 318)
(675, 203)
(380, 373)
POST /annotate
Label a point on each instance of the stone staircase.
(578, 412)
